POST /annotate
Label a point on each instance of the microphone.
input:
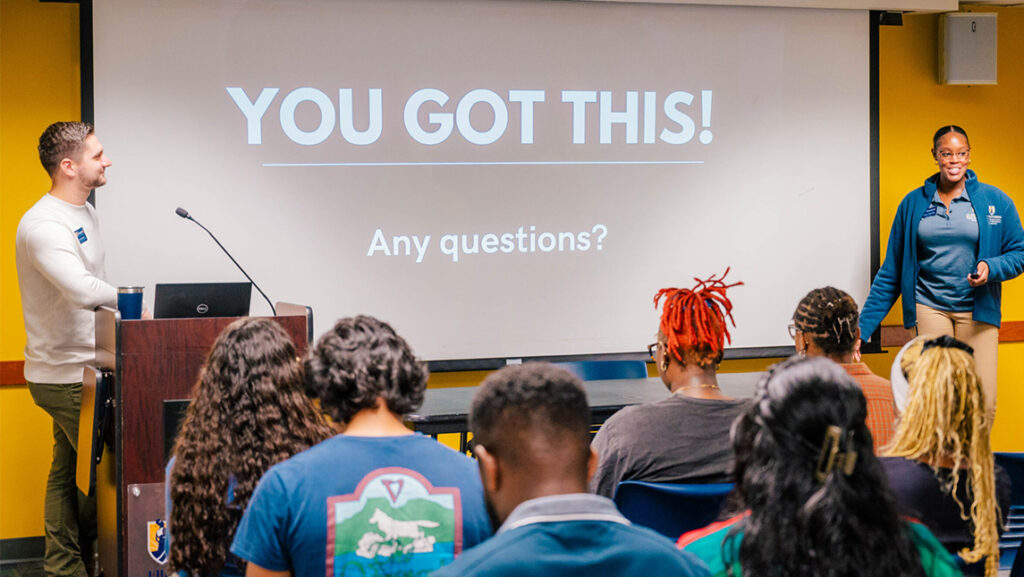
(184, 214)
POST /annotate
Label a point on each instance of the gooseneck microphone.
(184, 214)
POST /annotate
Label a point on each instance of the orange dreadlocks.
(693, 320)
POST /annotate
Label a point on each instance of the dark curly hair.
(540, 401)
(847, 523)
(62, 140)
(362, 359)
(829, 317)
(248, 412)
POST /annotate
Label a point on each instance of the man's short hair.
(359, 361)
(62, 140)
(538, 401)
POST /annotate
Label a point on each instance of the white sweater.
(59, 256)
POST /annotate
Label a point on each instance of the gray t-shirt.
(677, 440)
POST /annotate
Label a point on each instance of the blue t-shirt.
(365, 506)
(947, 251)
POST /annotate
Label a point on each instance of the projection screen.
(496, 178)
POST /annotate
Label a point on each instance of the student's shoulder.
(659, 551)
(498, 555)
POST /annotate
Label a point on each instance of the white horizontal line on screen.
(483, 163)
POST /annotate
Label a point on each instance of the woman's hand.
(980, 276)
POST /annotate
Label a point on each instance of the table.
(447, 410)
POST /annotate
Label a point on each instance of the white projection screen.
(496, 178)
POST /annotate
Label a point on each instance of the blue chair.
(1012, 539)
(1017, 569)
(671, 508)
(606, 370)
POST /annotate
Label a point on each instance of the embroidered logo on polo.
(994, 218)
(394, 523)
(80, 233)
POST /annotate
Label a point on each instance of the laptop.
(193, 300)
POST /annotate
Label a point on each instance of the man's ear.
(592, 462)
(67, 167)
(490, 468)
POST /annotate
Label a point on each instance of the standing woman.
(952, 243)
(249, 411)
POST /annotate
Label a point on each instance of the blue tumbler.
(129, 302)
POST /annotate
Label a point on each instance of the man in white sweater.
(59, 257)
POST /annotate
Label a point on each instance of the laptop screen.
(192, 300)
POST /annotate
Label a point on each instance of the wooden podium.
(144, 373)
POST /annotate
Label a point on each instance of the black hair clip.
(947, 342)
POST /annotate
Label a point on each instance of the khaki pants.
(69, 516)
(982, 337)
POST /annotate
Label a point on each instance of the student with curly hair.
(685, 437)
(248, 412)
(377, 499)
(813, 495)
(825, 325)
(941, 466)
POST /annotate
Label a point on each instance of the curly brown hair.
(248, 412)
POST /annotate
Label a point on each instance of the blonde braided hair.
(945, 422)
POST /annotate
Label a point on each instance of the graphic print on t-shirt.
(394, 523)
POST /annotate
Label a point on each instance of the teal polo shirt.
(947, 249)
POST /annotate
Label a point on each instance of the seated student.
(944, 429)
(825, 325)
(685, 437)
(377, 499)
(815, 496)
(248, 412)
(531, 436)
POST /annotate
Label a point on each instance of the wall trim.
(11, 373)
(897, 336)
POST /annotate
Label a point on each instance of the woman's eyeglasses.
(961, 155)
(652, 350)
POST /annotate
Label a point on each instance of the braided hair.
(945, 419)
(694, 320)
(828, 316)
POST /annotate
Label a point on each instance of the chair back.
(606, 370)
(671, 508)
(1018, 563)
(1012, 539)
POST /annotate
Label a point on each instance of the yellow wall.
(39, 83)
